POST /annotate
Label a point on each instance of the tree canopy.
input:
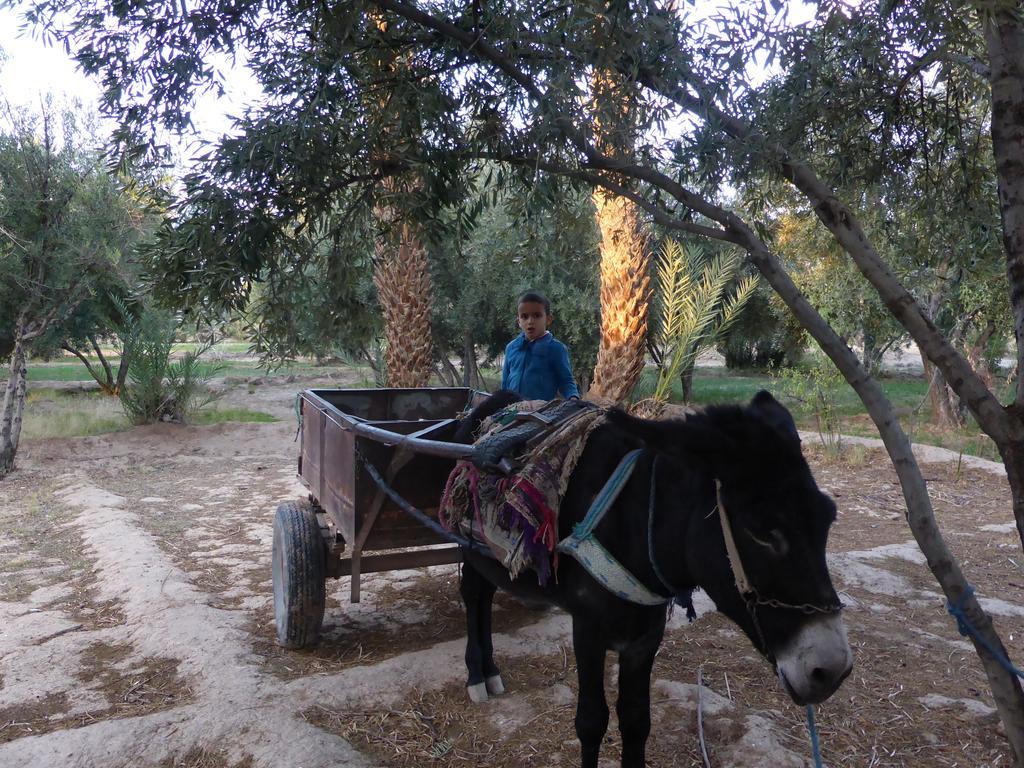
(66, 229)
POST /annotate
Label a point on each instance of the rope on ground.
(956, 610)
(813, 730)
(700, 717)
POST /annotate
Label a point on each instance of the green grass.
(70, 368)
(61, 413)
(74, 370)
(221, 348)
(71, 414)
(56, 372)
(712, 386)
(216, 415)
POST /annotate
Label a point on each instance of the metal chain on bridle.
(747, 591)
(751, 597)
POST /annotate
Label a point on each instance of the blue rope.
(298, 414)
(606, 496)
(815, 746)
(956, 610)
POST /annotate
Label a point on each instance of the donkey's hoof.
(477, 692)
(494, 685)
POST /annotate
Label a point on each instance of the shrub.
(814, 391)
(160, 388)
(765, 336)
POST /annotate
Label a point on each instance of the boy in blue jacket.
(536, 363)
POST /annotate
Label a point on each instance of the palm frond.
(695, 307)
(734, 304)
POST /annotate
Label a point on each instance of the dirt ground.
(136, 629)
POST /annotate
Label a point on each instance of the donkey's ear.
(775, 414)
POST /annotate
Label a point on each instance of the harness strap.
(584, 547)
(683, 597)
(740, 575)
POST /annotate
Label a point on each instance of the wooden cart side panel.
(339, 476)
(310, 448)
(326, 465)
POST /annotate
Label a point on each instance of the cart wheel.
(300, 589)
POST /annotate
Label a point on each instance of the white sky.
(33, 69)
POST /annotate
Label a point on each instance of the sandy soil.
(136, 628)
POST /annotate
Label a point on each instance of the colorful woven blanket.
(517, 515)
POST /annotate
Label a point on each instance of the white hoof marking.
(494, 685)
(477, 693)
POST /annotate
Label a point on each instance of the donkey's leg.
(634, 704)
(591, 706)
(472, 587)
(492, 676)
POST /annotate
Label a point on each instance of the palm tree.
(401, 272)
(625, 283)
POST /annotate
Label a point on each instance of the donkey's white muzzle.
(816, 661)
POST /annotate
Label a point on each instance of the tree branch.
(845, 227)
(88, 366)
(1004, 39)
(662, 216)
(103, 361)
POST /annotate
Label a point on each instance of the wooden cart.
(349, 525)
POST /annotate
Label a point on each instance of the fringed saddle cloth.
(516, 515)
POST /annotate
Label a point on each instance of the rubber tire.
(299, 575)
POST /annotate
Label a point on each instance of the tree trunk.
(944, 414)
(625, 282)
(107, 383)
(14, 404)
(447, 372)
(686, 382)
(402, 277)
(976, 354)
(122, 371)
(401, 272)
(870, 351)
(625, 290)
(1004, 38)
(470, 369)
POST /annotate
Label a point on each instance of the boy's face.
(533, 319)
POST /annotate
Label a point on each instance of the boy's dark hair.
(537, 297)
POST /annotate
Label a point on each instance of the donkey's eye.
(775, 542)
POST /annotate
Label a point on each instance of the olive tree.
(63, 224)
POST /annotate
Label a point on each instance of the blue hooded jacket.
(538, 370)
